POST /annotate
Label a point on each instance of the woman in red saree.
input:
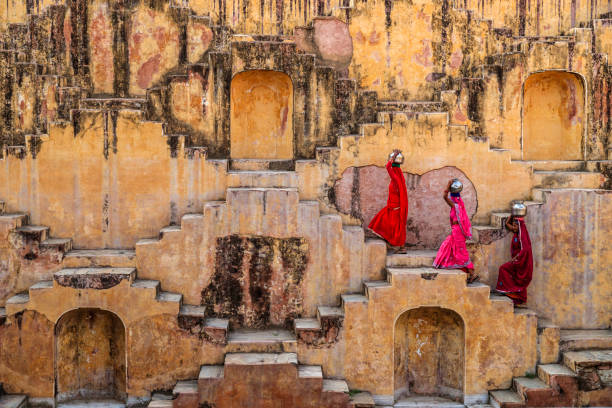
(453, 253)
(390, 222)
(515, 276)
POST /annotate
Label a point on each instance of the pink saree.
(453, 252)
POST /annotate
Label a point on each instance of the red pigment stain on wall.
(146, 71)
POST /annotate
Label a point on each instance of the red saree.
(515, 276)
(390, 222)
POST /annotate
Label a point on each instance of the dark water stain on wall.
(257, 281)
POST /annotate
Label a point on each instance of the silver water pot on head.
(519, 209)
(399, 159)
(456, 186)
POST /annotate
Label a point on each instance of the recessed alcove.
(553, 116)
(90, 359)
(429, 345)
(261, 117)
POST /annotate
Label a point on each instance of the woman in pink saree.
(453, 252)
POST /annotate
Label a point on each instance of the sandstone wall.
(571, 258)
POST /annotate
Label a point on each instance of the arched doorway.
(90, 362)
(261, 118)
(553, 116)
(429, 359)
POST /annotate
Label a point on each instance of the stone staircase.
(413, 272)
(244, 375)
(580, 377)
(106, 269)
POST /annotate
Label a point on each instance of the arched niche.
(90, 356)
(554, 116)
(261, 115)
(429, 357)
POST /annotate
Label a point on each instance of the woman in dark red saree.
(515, 276)
(390, 222)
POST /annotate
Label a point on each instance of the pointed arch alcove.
(90, 356)
(429, 344)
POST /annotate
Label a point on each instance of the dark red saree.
(515, 276)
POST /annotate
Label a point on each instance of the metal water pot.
(519, 209)
(456, 186)
(399, 159)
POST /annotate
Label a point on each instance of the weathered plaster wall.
(571, 258)
(194, 260)
(105, 159)
(538, 17)
(428, 143)
(257, 281)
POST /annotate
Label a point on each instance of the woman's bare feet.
(473, 276)
(401, 250)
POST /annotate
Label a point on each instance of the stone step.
(306, 324)
(262, 178)
(93, 278)
(498, 219)
(259, 359)
(13, 401)
(576, 360)
(424, 273)
(12, 221)
(427, 402)
(147, 284)
(18, 299)
(547, 372)
(63, 245)
(353, 298)
(411, 259)
(261, 164)
(329, 313)
(371, 286)
(208, 372)
(169, 297)
(340, 386)
(567, 179)
(261, 341)
(485, 233)
(34, 232)
(160, 403)
(538, 195)
(310, 372)
(523, 385)
(503, 303)
(505, 399)
(575, 340)
(186, 394)
(362, 400)
(83, 258)
(553, 165)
